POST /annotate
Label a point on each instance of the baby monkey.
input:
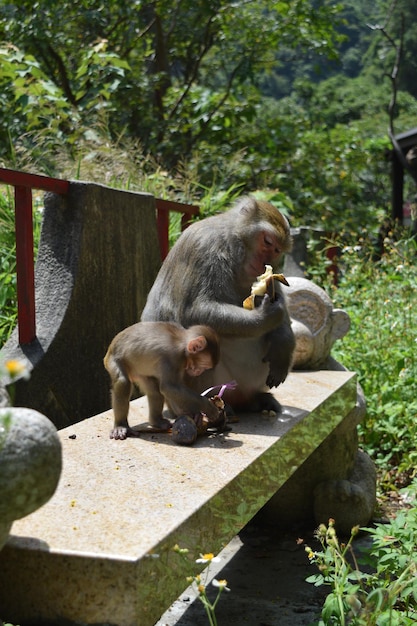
(158, 357)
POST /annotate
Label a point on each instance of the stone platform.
(100, 551)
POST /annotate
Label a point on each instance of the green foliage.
(8, 300)
(41, 108)
(337, 572)
(172, 74)
(5, 421)
(379, 295)
(199, 583)
(90, 84)
(398, 20)
(385, 597)
(364, 98)
(352, 183)
(333, 177)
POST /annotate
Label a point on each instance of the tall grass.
(8, 300)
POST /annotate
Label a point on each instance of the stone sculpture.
(30, 464)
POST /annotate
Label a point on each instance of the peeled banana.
(264, 284)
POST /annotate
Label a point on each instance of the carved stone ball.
(30, 462)
(316, 324)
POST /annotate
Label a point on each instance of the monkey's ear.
(197, 344)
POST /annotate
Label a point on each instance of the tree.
(170, 73)
(398, 20)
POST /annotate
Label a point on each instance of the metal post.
(24, 264)
(162, 223)
(397, 188)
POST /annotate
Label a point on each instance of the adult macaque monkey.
(204, 280)
(159, 357)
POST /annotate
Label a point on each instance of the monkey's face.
(264, 234)
(266, 249)
(196, 364)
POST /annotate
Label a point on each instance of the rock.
(349, 502)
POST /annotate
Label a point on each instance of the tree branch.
(393, 76)
(63, 74)
(222, 100)
(194, 73)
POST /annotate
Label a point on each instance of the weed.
(385, 597)
(199, 583)
(379, 296)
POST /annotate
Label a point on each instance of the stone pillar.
(98, 257)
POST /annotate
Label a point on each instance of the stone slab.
(100, 551)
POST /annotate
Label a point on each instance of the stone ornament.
(316, 324)
(30, 464)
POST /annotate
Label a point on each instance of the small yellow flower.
(176, 548)
(221, 584)
(15, 367)
(201, 588)
(208, 558)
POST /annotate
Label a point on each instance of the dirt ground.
(265, 571)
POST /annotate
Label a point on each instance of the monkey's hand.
(271, 314)
(277, 373)
(210, 409)
(279, 356)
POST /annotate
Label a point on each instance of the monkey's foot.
(157, 426)
(264, 403)
(122, 432)
(160, 424)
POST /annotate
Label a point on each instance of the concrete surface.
(100, 551)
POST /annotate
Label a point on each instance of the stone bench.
(100, 551)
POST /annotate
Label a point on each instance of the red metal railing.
(163, 207)
(23, 184)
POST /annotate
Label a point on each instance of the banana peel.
(264, 285)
